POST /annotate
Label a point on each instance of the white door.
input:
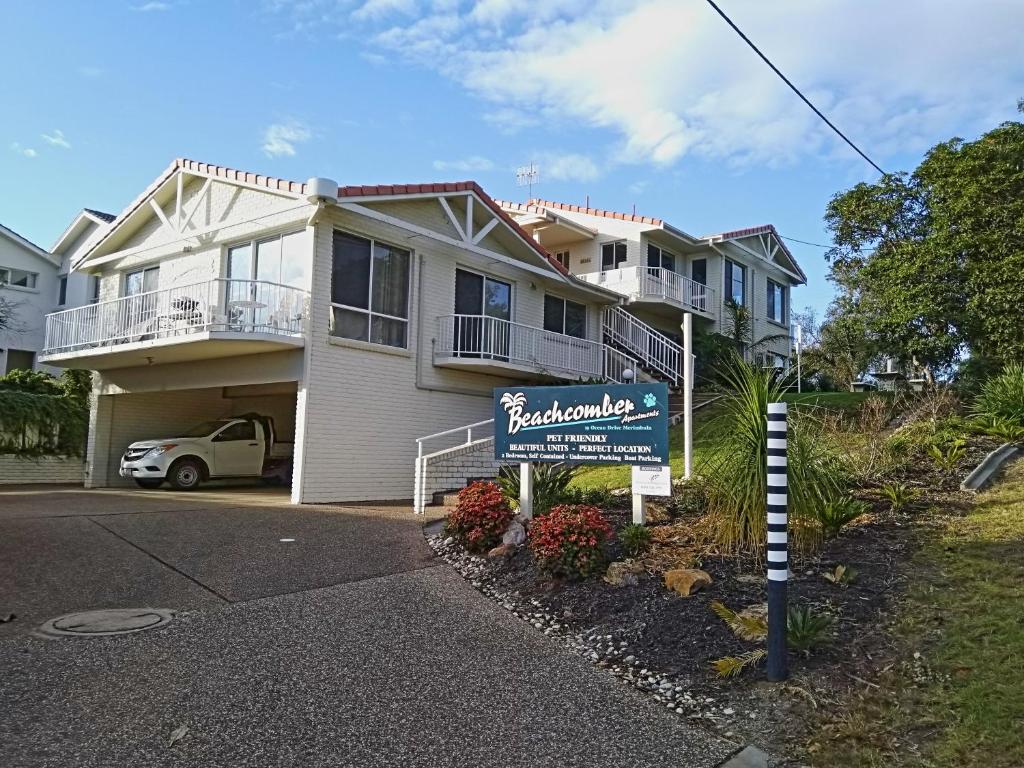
(238, 451)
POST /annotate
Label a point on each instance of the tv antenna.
(527, 176)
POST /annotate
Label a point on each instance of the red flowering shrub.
(567, 541)
(481, 517)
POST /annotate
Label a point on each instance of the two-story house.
(28, 291)
(359, 318)
(662, 271)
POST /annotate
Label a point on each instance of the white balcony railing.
(654, 283)
(655, 351)
(243, 306)
(489, 339)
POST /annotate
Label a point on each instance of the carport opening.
(160, 417)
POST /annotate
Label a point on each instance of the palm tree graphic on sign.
(509, 401)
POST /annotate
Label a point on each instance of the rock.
(448, 542)
(686, 581)
(623, 573)
(501, 552)
(515, 535)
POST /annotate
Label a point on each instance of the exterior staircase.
(655, 353)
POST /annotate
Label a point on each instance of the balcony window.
(94, 288)
(736, 282)
(370, 291)
(562, 257)
(18, 277)
(62, 291)
(566, 317)
(141, 281)
(699, 271)
(613, 255)
(776, 302)
(658, 258)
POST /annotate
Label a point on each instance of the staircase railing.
(653, 349)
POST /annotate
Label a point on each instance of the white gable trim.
(29, 246)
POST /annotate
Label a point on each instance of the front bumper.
(144, 468)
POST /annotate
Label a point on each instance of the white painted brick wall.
(454, 470)
(45, 469)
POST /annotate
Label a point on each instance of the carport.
(127, 417)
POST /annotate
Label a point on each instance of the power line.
(795, 90)
(805, 242)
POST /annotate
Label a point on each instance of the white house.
(75, 288)
(359, 318)
(661, 271)
(28, 285)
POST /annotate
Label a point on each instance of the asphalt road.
(350, 646)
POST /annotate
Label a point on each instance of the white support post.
(799, 344)
(177, 204)
(639, 508)
(688, 395)
(469, 218)
(526, 490)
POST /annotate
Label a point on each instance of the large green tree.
(932, 262)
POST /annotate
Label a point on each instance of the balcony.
(657, 285)
(490, 345)
(215, 318)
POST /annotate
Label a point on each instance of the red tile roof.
(598, 212)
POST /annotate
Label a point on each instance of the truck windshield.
(206, 428)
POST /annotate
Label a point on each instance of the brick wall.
(45, 469)
(454, 470)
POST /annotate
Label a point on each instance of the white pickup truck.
(240, 446)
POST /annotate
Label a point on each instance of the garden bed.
(664, 643)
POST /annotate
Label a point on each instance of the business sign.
(592, 423)
(652, 480)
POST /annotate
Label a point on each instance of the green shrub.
(899, 495)
(805, 629)
(569, 540)
(1002, 396)
(948, 459)
(836, 514)
(1004, 429)
(736, 477)
(635, 539)
(597, 497)
(480, 518)
(550, 485)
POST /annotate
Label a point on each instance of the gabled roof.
(107, 217)
(74, 229)
(764, 229)
(636, 218)
(28, 245)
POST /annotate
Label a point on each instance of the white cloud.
(25, 151)
(279, 139)
(472, 164)
(56, 139)
(87, 70)
(666, 79)
(377, 9)
(153, 5)
(567, 167)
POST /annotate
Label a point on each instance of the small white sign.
(652, 480)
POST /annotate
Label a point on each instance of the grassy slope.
(969, 602)
(707, 426)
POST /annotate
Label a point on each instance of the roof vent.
(320, 190)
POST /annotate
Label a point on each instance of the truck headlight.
(157, 450)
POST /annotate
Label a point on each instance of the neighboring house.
(75, 289)
(359, 318)
(662, 271)
(28, 283)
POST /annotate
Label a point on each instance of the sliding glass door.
(483, 306)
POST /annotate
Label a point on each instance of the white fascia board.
(29, 246)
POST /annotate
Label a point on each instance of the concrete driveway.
(349, 646)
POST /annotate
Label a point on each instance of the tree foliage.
(42, 415)
(931, 263)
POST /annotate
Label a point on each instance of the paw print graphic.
(650, 400)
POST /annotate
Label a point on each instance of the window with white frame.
(562, 257)
(736, 282)
(284, 259)
(564, 316)
(776, 302)
(612, 255)
(19, 278)
(94, 288)
(370, 291)
(659, 258)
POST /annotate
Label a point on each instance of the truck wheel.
(185, 475)
(150, 483)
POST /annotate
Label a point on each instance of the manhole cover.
(110, 621)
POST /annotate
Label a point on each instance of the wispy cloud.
(472, 164)
(378, 9)
(153, 5)
(569, 166)
(88, 70)
(25, 151)
(56, 139)
(279, 139)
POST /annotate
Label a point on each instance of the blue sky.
(655, 104)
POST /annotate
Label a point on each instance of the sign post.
(687, 395)
(778, 560)
(587, 423)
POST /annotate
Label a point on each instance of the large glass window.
(18, 277)
(612, 255)
(776, 302)
(699, 271)
(370, 291)
(562, 316)
(562, 257)
(735, 282)
(658, 258)
(141, 281)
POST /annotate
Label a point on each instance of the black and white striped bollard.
(778, 560)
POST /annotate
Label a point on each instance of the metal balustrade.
(241, 306)
(653, 349)
(654, 283)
